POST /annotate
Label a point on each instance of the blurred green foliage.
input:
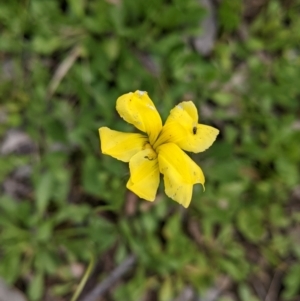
(244, 226)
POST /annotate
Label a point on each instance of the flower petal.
(121, 146)
(144, 174)
(183, 129)
(180, 173)
(138, 109)
(190, 108)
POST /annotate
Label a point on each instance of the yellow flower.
(161, 149)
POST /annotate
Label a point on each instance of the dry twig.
(115, 275)
(63, 69)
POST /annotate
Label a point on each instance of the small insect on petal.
(194, 130)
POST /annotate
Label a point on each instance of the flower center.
(165, 136)
(151, 154)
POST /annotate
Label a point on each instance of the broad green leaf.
(44, 191)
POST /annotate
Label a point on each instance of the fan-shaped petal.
(180, 173)
(121, 146)
(138, 109)
(183, 129)
(144, 174)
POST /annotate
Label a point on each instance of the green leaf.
(292, 282)
(44, 231)
(45, 262)
(10, 266)
(36, 287)
(230, 14)
(44, 190)
(246, 294)
(249, 222)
